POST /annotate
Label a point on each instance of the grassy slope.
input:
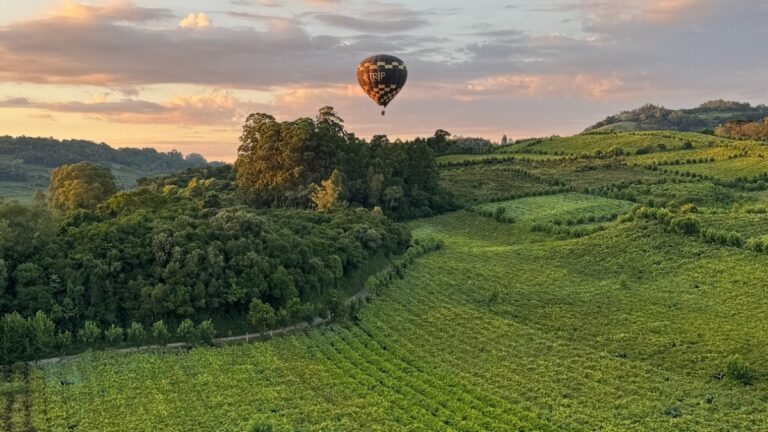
(620, 330)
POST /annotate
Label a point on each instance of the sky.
(184, 74)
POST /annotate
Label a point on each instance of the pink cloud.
(117, 10)
(215, 108)
(588, 86)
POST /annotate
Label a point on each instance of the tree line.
(52, 153)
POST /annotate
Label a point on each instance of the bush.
(89, 334)
(207, 332)
(686, 225)
(160, 333)
(689, 208)
(187, 331)
(136, 335)
(738, 370)
(114, 336)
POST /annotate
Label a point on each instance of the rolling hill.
(26, 163)
(581, 288)
(707, 116)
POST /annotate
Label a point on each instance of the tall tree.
(328, 195)
(81, 186)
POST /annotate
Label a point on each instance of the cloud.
(378, 17)
(111, 11)
(371, 25)
(214, 108)
(195, 21)
(102, 52)
(583, 86)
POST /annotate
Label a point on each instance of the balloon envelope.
(382, 77)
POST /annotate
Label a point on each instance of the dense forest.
(52, 153)
(268, 241)
(705, 117)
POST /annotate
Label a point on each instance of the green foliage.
(188, 332)
(206, 332)
(708, 115)
(81, 186)
(328, 195)
(561, 330)
(113, 336)
(26, 163)
(160, 332)
(279, 164)
(261, 315)
(738, 370)
(135, 334)
(146, 256)
(90, 334)
(689, 225)
(689, 208)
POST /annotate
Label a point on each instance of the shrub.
(160, 332)
(114, 336)
(207, 332)
(187, 331)
(689, 208)
(136, 334)
(89, 334)
(738, 370)
(686, 225)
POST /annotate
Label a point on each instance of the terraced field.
(744, 167)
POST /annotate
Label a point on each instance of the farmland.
(653, 322)
(560, 346)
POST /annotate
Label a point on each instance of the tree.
(327, 197)
(206, 332)
(32, 290)
(187, 331)
(15, 341)
(81, 186)
(261, 315)
(43, 332)
(136, 334)
(4, 299)
(504, 140)
(89, 334)
(283, 286)
(114, 336)
(63, 342)
(279, 161)
(160, 332)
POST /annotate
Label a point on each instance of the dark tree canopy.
(282, 164)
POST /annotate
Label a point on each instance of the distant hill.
(707, 116)
(26, 162)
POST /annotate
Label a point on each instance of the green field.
(560, 207)
(621, 330)
(630, 328)
(630, 142)
(482, 183)
(730, 169)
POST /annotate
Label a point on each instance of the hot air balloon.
(382, 77)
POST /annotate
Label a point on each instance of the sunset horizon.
(184, 75)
